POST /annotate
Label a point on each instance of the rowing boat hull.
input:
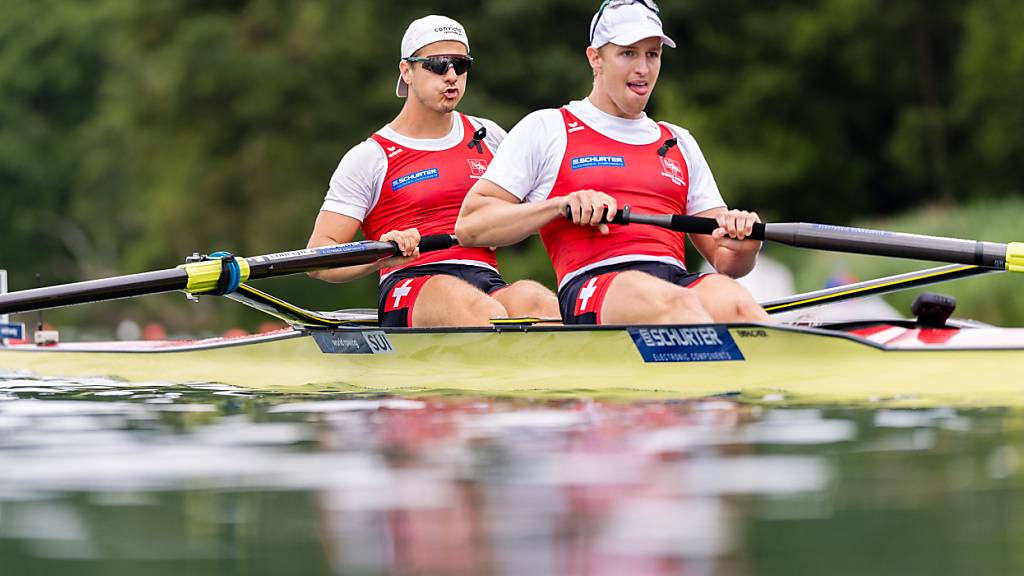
(771, 363)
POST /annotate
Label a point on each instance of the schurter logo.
(581, 162)
(449, 30)
(686, 344)
(672, 170)
(477, 167)
(410, 179)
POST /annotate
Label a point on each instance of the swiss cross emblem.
(586, 294)
(477, 167)
(673, 171)
(397, 293)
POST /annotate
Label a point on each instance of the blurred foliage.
(133, 133)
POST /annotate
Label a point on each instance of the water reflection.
(99, 477)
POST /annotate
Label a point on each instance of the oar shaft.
(297, 261)
(844, 239)
(94, 291)
(883, 243)
(200, 277)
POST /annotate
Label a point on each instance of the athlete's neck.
(605, 104)
(422, 123)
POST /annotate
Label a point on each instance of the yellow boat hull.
(778, 364)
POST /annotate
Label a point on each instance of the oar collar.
(220, 273)
(1015, 256)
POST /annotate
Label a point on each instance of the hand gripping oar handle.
(677, 222)
(852, 240)
(204, 277)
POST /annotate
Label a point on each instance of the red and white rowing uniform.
(559, 151)
(649, 178)
(392, 182)
(616, 156)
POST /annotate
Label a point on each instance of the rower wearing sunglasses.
(409, 179)
(602, 153)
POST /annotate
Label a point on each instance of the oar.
(874, 287)
(853, 240)
(292, 313)
(209, 276)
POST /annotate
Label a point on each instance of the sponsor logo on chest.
(595, 161)
(410, 179)
(477, 167)
(672, 170)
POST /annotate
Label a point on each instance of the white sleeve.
(528, 161)
(703, 192)
(495, 134)
(356, 183)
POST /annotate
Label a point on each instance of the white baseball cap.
(428, 30)
(625, 22)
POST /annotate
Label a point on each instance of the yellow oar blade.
(1015, 256)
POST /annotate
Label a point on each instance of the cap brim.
(628, 39)
(402, 89)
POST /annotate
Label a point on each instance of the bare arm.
(726, 249)
(493, 216)
(332, 228)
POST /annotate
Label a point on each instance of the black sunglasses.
(441, 64)
(649, 4)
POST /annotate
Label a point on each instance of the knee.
(749, 311)
(481, 310)
(528, 288)
(532, 298)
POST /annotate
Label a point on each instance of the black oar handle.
(436, 242)
(677, 222)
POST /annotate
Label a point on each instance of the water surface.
(97, 477)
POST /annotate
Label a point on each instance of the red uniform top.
(424, 189)
(637, 175)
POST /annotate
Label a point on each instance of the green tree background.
(133, 133)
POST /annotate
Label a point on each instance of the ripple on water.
(517, 486)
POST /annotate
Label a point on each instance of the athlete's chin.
(633, 104)
(447, 105)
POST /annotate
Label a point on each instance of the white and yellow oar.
(968, 257)
(219, 275)
(853, 240)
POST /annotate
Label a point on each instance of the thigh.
(628, 297)
(449, 301)
(635, 297)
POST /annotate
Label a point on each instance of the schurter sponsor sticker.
(696, 344)
(410, 179)
(580, 162)
(12, 331)
(354, 342)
